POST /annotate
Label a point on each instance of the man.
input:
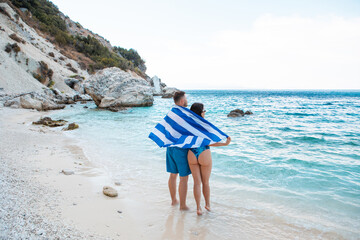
(177, 163)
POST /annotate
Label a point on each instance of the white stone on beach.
(109, 191)
(68, 172)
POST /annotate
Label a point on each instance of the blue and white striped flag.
(183, 128)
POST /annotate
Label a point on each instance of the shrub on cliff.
(43, 73)
(131, 55)
(46, 12)
(16, 38)
(3, 11)
(12, 47)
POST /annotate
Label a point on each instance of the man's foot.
(208, 208)
(184, 208)
(199, 211)
(175, 202)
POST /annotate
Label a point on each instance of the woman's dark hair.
(197, 108)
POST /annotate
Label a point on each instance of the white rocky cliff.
(34, 73)
(24, 53)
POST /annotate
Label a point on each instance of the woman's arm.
(219, 144)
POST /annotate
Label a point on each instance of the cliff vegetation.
(87, 50)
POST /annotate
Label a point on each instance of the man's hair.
(178, 95)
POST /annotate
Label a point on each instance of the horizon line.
(270, 89)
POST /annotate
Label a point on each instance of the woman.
(200, 163)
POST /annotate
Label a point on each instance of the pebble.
(117, 183)
(109, 191)
(68, 172)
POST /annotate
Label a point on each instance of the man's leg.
(172, 188)
(182, 192)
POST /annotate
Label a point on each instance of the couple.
(196, 161)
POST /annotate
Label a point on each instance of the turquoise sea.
(293, 166)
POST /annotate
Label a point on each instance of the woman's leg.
(195, 171)
(205, 162)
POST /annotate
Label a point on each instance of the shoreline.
(56, 205)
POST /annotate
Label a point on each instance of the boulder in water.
(115, 88)
(239, 113)
(236, 113)
(169, 92)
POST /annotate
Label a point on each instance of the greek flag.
(185, 129)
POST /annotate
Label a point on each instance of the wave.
(295, 161)
(301, 114)
(275, 144)
(309, 139)
(351, 143)
(288, 129)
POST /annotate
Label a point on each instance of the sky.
(234, 44)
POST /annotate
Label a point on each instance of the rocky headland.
(38, 71)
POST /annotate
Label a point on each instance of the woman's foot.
(199, 211)
(174, 202)
(207, 208)
(184, 208)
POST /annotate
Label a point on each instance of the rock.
(109, 191)
(28, 102)
(116, 109)
(169, 92)
(85, 97)
(65, 98)
(71, 126)
(117, 183)
(50, 123)
(119, 211)
(112, 87)
(86, 107)
(77, 98)
(52, 106)
(238, 113)
(68, 172)
(13, 103)
(155, 82)
(39, 101)
(75, 84)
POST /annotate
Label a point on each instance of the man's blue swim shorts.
(177, 162)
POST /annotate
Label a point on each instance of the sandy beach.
(40, 202)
